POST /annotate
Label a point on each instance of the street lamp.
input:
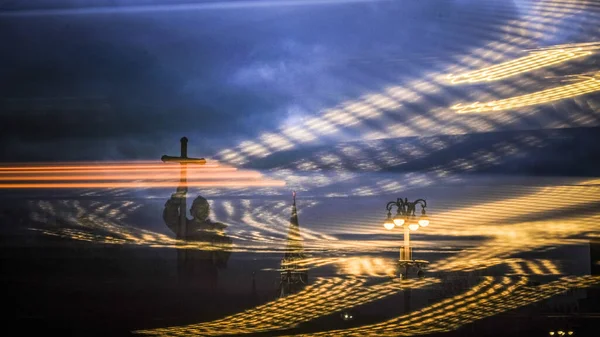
(389, 222)
(405, 214)
(405, 217)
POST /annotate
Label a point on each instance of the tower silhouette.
(293, 275)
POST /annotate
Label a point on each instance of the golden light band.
(536, 98)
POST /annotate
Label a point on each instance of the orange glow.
(127, 175)
(166, 169)
(101, 167)
(155, 176)
(159, 184)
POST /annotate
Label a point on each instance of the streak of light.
(324, 297)
(486, 299)
(85, 167)
(516, 267)
(366, 266)
(365, 156)
(591, 182)
(534, 266)
(106, 219)
(583, 46)
(506, 222)
(165, 169)
(498, 221)
(477, 293)
(550, 266)
(536, 98)
(510, 224)
(149, 239)
(123, 175)
(221, 5)
(273, 217)
(533, 61)
(223, 184)
(172, 175)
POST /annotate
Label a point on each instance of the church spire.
(293, 274)
(294, 248)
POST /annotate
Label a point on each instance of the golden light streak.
(489, 298)
(106, 217)
(367, 266)
(533, 61)
(516, 267)
(511, 231)
(550, 266)
(324, 297)
(582, 46)
(534, 267)
(506, 224)
(540, 97)
(474, 294)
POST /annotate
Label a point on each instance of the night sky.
(93, 80)
(258, 84)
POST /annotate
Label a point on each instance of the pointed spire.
(293, 275)
(294, 247)
(294, 217)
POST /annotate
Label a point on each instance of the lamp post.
(405, 217)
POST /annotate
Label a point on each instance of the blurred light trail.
(128, 175)
(366, 266)
(512, 219)
(514, 225)
(450, 306)
(324, 297)
(533, 61)
(146, 176)
(126, 170)
(84, 167)
(142, 184)
(489, 298)
(582, 46)
(219, 5)
(536, 98)
(532, 267)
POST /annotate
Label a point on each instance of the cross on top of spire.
(183, 158)
(294, 197)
